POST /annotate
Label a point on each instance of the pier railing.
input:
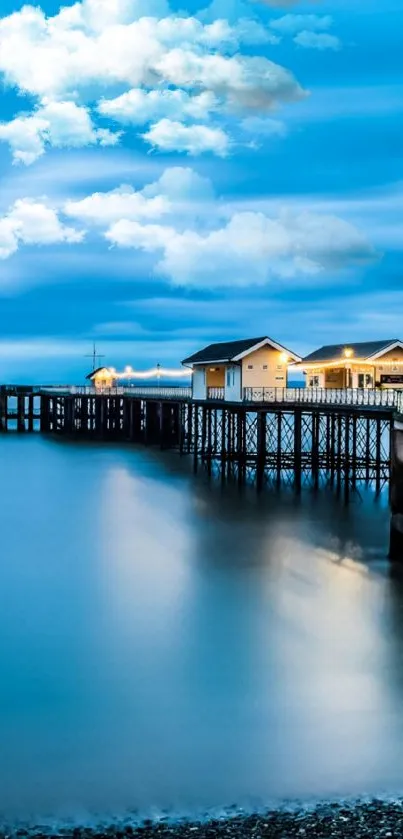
(326, 396)
(150, 392)
(348, 397)
(216, 393)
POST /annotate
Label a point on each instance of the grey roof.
(228, 350)
(333, 352)
(224, 351)
(98, 370)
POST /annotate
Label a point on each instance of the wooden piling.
(396, 495)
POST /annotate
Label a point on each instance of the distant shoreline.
(358, 820)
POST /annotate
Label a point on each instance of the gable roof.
(363, 350)
(98, 370)
(233, 351)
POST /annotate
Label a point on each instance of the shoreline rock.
(369, 820)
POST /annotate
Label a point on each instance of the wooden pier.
(297, 443)
(301, 442)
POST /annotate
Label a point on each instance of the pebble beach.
(357, 820)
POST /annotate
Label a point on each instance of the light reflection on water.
(167, 644)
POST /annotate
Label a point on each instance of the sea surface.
(169, 645)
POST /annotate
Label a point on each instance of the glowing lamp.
(348, 352)
(284, 357)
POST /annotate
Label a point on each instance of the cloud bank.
(191, 239)
(135, 64)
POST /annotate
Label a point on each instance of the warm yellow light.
(284, 357)
(348, 352)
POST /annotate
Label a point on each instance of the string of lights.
(154, 373)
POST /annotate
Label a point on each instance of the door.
(365, 380)
(233, 384)
(199, 389)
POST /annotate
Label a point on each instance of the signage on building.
(392, 380)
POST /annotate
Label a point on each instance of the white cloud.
(57, 124)
(318, 41)
(194, 239)
(98, 14)
(165, 67)
(140, 106)
(251, 248)
(64, 55)
(264, 126)
(26, 137)
(168, 135)
(283, 4)
(125, 202)
(33, 223)
(249, 31)
(289, 24)
(181, 183)
(251, 83)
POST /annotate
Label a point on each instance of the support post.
(209, 440)
(223, 444)
(354, 454)
(45, 414)
(297, 450)
(279, 445)
(378, 455)
(31, 412)
(396, 494)
(196, 440)
(261, 450)
(347, 460)
(21, 412)
(315, 449)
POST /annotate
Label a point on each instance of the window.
(250, 366)
(365, 380)
(264, 366)
(313, 381)
(228, 378)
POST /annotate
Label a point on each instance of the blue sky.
(174, 175)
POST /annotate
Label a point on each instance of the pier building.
(102, 377)
(366, 365)
(224, 371)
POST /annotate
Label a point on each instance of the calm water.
(164, 644)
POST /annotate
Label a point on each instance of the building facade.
(370, 364)
(229, 370)
(102, 378)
